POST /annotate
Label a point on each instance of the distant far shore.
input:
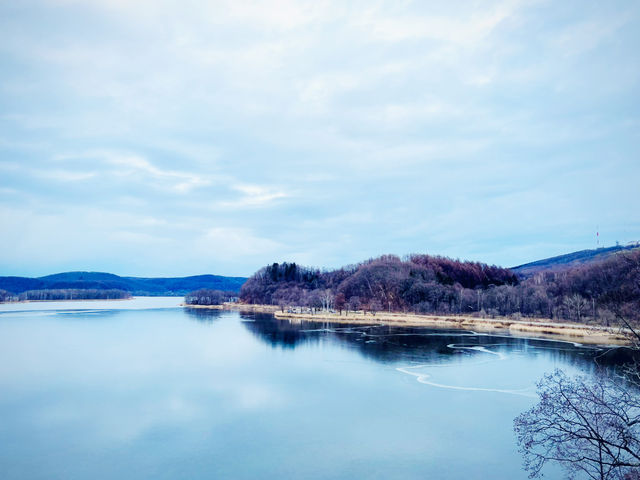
(70, 300)
(539, 328)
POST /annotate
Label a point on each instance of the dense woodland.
(64, 294)
(207, 296)
(600, 292)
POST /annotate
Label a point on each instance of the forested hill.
(599, 292)
(422, 283)
(108, 281)
(571, 260)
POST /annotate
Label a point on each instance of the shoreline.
(70, 300)
(574, 332)
(241, 307)
(536, 328)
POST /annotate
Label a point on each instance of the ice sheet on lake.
(425, 373)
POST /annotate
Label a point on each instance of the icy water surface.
(145, 389)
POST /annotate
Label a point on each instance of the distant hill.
(569, 260)
(135, 285)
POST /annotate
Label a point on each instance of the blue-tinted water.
(130, 391)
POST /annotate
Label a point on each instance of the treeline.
(206, 296)
(64, 294)
(420, 283)
(592, 293)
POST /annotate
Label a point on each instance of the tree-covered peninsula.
(600, 292)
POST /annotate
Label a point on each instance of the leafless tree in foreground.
(589, 426)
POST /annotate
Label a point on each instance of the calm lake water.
(144, 389)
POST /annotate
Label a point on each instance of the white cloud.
(130, 164)
(459, 29)
(235, 242)
(253, 196)
(581, 37)
(317, 92)
(66, 175)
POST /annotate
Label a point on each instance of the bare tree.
(576, 306)
(340, 302)
(354, 303)
(327, 300)
(206, 296)
(374, 306)
(590, 427)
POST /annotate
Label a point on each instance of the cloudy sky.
(159, 137)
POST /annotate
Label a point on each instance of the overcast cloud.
(187, 137)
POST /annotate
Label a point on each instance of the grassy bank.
(538, 328)
(532, 328)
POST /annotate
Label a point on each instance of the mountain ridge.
(572, 259)
(154, 286)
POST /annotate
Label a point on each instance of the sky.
(171, 138)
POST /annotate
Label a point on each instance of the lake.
(144, 389)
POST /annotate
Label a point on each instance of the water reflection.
(187, 393)
(203, 315)
(391, 344)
